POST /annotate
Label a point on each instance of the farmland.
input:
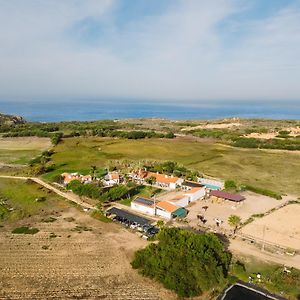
(275, 170)
(71, 255)
(21, 150)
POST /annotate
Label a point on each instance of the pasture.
(275, 170)
(21, 199)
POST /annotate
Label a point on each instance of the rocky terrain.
(10, 119)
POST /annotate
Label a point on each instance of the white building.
(112, 178)
(144, 205)
(165, 209)
(195, 193)
(212, 184)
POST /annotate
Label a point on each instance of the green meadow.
(271, 169)
(21, 199)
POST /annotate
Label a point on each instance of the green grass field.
(18, 200)
(275, 170)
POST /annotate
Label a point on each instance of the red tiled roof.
(226, 195)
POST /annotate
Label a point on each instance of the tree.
(185, 262)
(160, 223)
(230, 184)
(93, 171)
(56, 138)
(234, 221)
(150, 180)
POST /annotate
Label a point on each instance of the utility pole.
(264, 233)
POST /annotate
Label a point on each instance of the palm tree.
(93, 171)
(234, 221)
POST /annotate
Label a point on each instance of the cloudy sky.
(171, 50)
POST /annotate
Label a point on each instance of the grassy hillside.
(275, 170)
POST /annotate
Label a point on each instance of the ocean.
(67, 110)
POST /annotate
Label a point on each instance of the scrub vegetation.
(189, 273)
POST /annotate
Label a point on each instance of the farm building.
(166, 181)
(68, 177)
(165, 209)
(195, 193)
(144, 205)
(180, 201)
(188, 185)
(221, 195)
(112, 178)
(212, 184)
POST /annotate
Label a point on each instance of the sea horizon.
(66, 110)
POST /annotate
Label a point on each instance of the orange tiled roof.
(193, 190)
(166, 206)
(163, 178)
(114, 176)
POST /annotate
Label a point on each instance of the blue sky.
(165, 50)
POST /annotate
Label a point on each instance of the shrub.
(264, 192)
(25, 230)
(230, 184)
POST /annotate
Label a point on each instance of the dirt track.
(69, 196)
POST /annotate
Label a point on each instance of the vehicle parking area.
(219, 212)
(133, 221)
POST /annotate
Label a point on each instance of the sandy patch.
(25, 143)
(254, 204)
(213, 126)
(281, 227)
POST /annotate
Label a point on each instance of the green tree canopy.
(185, 262)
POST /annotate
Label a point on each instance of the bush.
(230, 184)
(185, 262)
(264, 192)
(25, 230)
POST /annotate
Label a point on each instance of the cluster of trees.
(185, 262)
(285, 144)
(115, 193)
(140, 134)
(105, 128)
(172, 168)
(88, 190)
(220, 134)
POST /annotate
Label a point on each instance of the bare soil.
(281, 227)
(84, 259)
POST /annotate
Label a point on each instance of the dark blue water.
(67, 110)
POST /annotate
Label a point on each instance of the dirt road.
(67, 195)
(245, 249)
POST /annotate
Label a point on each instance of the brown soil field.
(90, 262)
(25, 143)
(281, 227)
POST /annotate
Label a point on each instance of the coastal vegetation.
(185, 262)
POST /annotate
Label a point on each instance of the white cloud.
(179, 54)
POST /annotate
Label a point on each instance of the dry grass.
(274, 170)
(21, 150)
